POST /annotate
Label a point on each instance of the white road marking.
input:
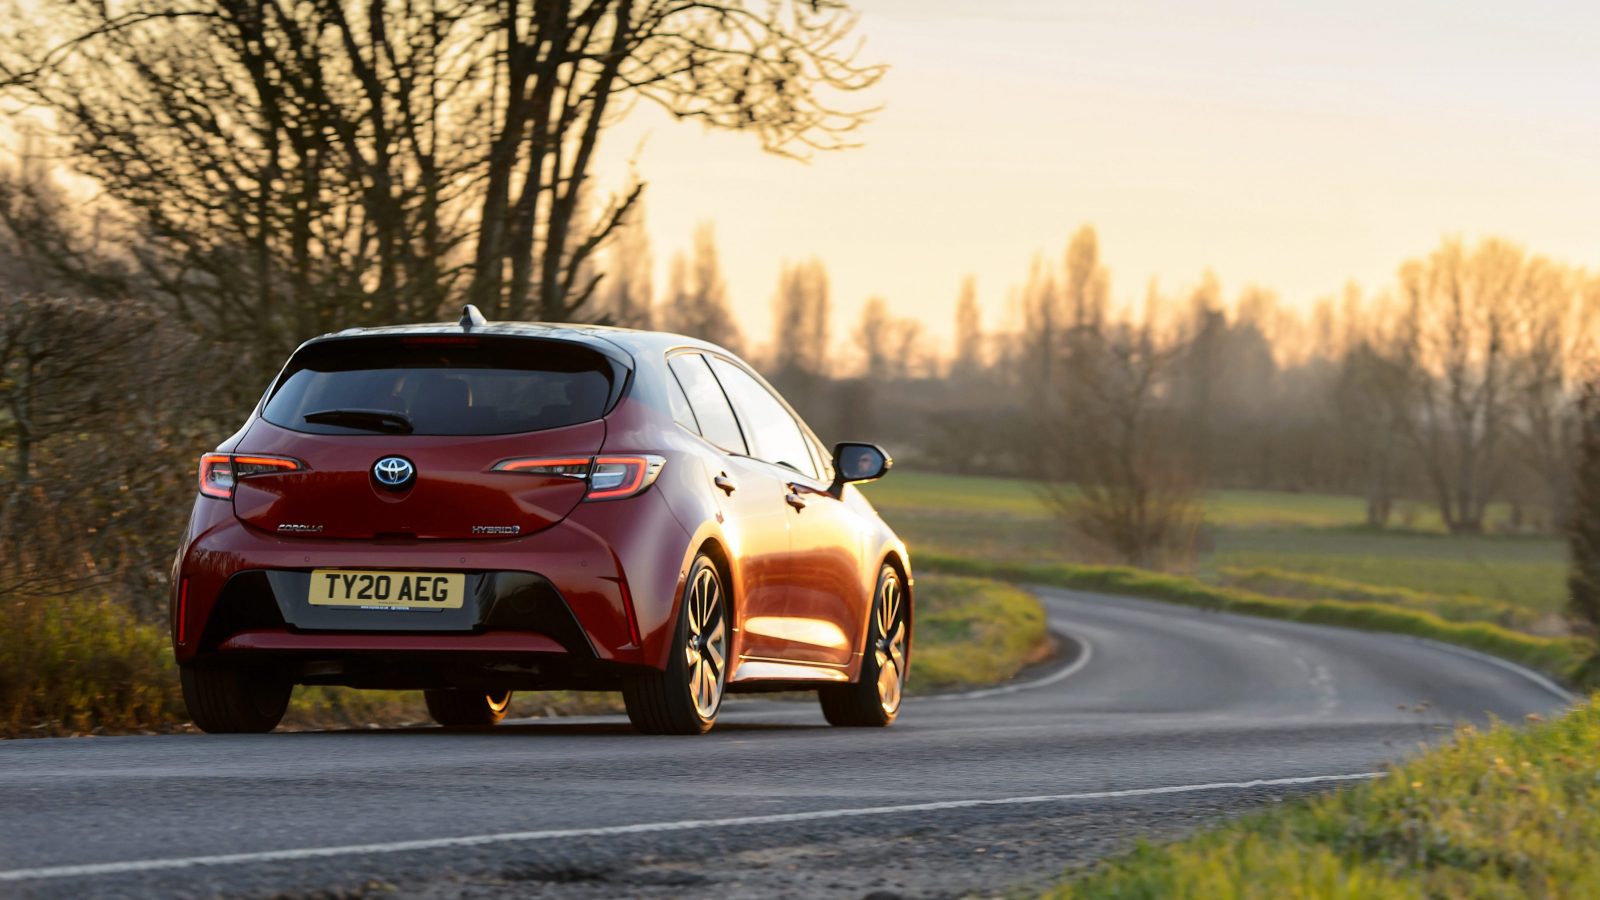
(479, 840)
(1564, 695)
(1178, 610)
(1085, 653)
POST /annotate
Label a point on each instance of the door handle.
(795, 500)
(726, 483)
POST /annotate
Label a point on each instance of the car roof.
(606, 339)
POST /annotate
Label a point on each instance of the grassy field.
(1304, 534)
(1527, 571)
(1502, 813)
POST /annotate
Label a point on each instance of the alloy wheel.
(706, 645)
(890, 647)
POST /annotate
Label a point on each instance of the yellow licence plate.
(412, 590)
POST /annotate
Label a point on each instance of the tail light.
(219, 472)
(609, 477)
(551, 468)
(615, 477)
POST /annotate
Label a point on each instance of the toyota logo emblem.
(394, 472)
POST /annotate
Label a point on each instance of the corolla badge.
(394, 472)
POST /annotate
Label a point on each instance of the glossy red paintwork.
(800, 579)
(455, 488)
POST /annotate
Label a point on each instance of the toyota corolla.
(478, 508)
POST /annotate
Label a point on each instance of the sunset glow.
(1276, 144)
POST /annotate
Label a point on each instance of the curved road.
(1165, 718)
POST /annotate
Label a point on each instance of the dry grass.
(77, 665)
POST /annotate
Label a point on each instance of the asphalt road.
(1159, 719)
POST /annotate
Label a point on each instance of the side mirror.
(858, 462)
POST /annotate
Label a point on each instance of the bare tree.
(969, 332)
(873, 337)
(908, 355)
(1461, 308)
(85, 387)
(1041, 343)
(1583, 527)
(1553, 349)
(302, 166)
(1116, 465)
(697, 302)
(627, 294)
(1369, 407)
(1085, 282)
(800, 323)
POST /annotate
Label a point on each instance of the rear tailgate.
(439, 410)
(454, 494)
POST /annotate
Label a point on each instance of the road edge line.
(1532, 675)
(1085, 654)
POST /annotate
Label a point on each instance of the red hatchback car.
(476, 509)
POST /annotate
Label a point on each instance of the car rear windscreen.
(437, 385)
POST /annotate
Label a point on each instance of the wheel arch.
(709, 542)
(893, 556)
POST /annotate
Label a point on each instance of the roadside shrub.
(72, 664)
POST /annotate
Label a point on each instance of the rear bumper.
(559, 603)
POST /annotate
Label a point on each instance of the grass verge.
(1498, 813)
(1563, 658)
(72, 665)
(973, 631)
(1454, 607)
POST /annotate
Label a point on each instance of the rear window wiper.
(366, 419)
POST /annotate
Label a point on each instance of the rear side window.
(710, 405)
(682, 413)
(768, 426)
(440, 386)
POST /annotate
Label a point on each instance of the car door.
(822, 607)
(750, 499)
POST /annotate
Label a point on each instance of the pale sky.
(1289, 144)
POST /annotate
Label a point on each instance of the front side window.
(709, 404)
(433, 386)
(772, 431)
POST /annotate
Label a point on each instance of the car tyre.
(454, 708)
(685, 697)
(234, 700)
(873, 701)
